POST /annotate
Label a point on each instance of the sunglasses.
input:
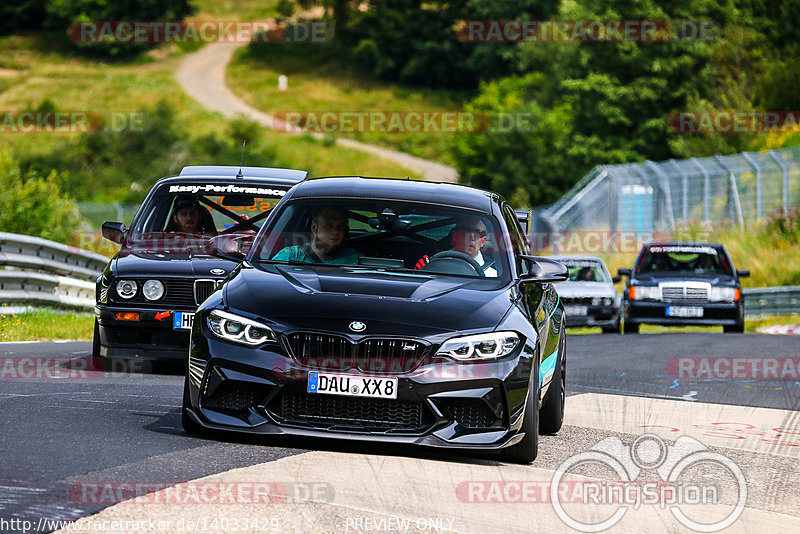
(471, 231)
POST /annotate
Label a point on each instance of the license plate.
(182, 320)
(575, 310)
(352, 385)
(684, 311)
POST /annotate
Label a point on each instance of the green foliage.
(16, 15)
(123, 163)
(609, 102)
(33, 203)
(424, 49)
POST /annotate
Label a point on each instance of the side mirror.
(229, 246)
(623, 272)
(743, 273)
(616, 279)
(114, 231)
(544, 270)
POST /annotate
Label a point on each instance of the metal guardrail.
(772, 300)
(41, 272)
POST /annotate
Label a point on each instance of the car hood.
(585, 289)
(715, 279)
(130, 263)
(330, 298)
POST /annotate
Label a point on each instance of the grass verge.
(751, 326)
(46, 325)
(321, 80)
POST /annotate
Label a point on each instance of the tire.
(551, 416)
(526, 450)
(630, 328)
(616, 328)
(97, 361)
(735, 329)
(190, 426)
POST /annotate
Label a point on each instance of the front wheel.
(526, 450)
(615, 328)
(551, 416)
(734, 329)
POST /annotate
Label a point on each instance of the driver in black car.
(468, 237)
(191, 218)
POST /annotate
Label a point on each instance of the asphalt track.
(74, 440)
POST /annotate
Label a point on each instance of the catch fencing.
(657, 197)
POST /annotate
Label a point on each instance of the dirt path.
(202, 75)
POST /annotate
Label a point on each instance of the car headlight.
(480, 346)
(127, 289)
(722, 294)
(644, 293)
(607, 301)
(239, 329)
(596, 301)
(153, 289)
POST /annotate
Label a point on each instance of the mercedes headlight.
(239, 329)
(481, 346)
(722, 294)
(644, 293)
(153, 289)
(127, 289)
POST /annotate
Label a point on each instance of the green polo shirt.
(346, 256)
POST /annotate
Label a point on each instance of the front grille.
(336, 353)
(180, 293)
(470, 413)
(203, 288)
(684, 294)
(350, 412)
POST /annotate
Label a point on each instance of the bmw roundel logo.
(357, 326)
(218, 271)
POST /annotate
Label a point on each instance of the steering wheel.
(456, 255)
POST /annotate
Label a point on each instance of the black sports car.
(148, 292)
(391, 310)
(683, 283)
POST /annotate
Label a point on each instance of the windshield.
(387, 235)
(696, 259)
(187, 211)
(585, 271)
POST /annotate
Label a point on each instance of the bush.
(34, 204)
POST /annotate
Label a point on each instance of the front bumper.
(604, 316)
(439, 403)
(149, 338)
(652, 312)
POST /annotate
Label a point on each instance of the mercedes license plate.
(684, 311)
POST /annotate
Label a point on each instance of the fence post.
(779, 160)
(684, 190)
(706, 187)
(734, 190)
(667, 191)
(755, 165)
